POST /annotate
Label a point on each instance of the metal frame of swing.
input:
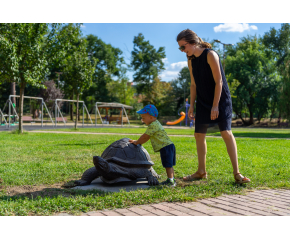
(116, 105)
(11, 105)
(57, 110)
(3, 117)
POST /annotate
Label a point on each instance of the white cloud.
(234, 27)
(83, 26)
(165, 60)
(172, 71)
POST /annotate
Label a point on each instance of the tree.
(108, 68)
(249, 63)
(147, 62)
(78, 70)
(50, 93)
(278, 41)
(121, 89)
(181, 87)
(161, 93)
(23, 55)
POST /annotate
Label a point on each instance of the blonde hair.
(191, 37)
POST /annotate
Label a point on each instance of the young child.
(159, 140)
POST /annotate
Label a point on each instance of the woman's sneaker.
(170, 183)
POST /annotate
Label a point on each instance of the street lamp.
(58, 73)
(224, 45)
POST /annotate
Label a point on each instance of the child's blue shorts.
(168, 156)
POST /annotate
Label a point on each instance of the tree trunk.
(77, 116)
(13, 92)
(22, 87)
(71, 108)
(251, 118)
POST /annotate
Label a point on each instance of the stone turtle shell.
(124, 153)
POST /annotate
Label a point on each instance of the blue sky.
(121, 35)
(117, 22)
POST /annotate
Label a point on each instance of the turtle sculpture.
(121, 161)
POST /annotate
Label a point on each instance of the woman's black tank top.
(205, 87)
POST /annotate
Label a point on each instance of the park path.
(256, 203)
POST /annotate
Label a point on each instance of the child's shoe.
(169, 183)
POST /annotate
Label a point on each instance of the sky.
(121, 35)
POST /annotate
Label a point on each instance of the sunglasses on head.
(181, 48)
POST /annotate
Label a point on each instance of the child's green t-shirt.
(158, 136)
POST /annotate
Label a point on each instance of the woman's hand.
(214, 113)
(190, 113)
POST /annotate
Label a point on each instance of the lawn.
(238, 132)
(32, 160)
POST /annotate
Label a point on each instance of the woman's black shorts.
(223, 125)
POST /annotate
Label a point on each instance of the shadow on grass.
(81, 144)
(67, 191)
(257, 135)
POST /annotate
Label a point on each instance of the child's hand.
(133, 141)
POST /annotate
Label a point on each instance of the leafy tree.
(78, 70)
(147, 64)
(161, 93)
(278, 41)
(249, 63)
(122, 90)
(181, 87)
(50, 93)
(23, 55)
(107, 69)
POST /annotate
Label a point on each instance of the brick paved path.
(257, 203)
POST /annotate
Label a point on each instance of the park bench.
(60, 119)
(118, 120)
(283, 124)
(239, 123)
(264, 124)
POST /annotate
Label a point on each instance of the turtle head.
(101, 164)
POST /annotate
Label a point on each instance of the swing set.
(13, 117)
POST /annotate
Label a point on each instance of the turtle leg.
(152, 180)
(88, 176)
(153, 172)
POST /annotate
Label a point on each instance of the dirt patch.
(33, 191)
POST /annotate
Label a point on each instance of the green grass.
(238, 132)
(46, 159)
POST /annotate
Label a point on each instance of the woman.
(213, 101)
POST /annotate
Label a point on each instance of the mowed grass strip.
(237, 131)
(46, 159)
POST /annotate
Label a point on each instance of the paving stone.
(138, 211)
(126, 212)
(268, 198)
(228, 208)
(238, 201)
(193, 209)
(264, 205)
(277, 197)
(156, 211)
(63, 214)
(206, 209)
(246, 207)
(111, 213)
(95, 214)
(212, 211)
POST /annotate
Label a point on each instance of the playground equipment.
(109, 119)
(3, 123)
(14, 115)
(183, 115)
(178, 120)
(58, 112)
